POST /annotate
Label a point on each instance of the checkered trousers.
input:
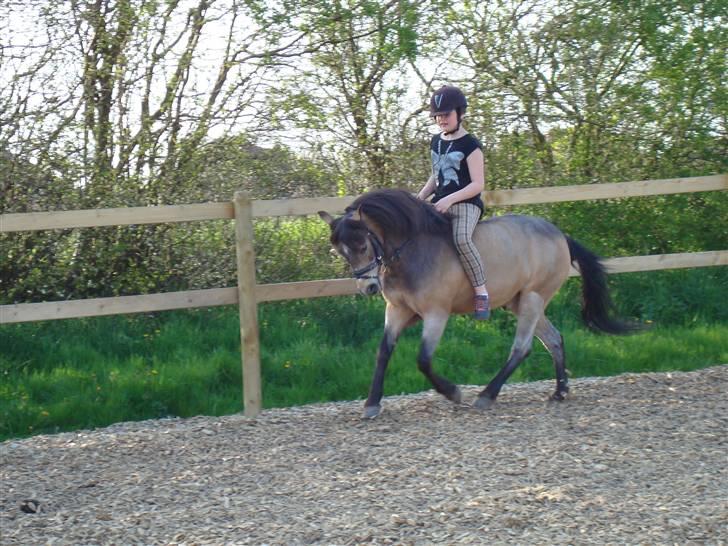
(465, 217)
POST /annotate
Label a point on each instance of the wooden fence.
(248, 294)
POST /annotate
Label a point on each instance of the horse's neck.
(419, 244)
(393, 244)
(410, 256)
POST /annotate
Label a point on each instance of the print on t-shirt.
(447, 165)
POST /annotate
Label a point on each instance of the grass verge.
(67, 375)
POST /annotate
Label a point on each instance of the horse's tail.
(596, 304)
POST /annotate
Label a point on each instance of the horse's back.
(522, 253)
(518, 232)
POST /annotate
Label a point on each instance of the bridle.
(379, 260)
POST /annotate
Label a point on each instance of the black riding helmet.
(446, 99)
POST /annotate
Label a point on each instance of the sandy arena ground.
(634, 459)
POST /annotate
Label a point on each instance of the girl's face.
(447, 122)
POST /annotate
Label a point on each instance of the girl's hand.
(443, 205)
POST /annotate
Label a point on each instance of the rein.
(379, 259)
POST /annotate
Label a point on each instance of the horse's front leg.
(434, 326)
(395, 320)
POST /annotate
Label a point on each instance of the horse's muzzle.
(369, 286)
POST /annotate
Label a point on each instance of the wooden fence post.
(247, 304)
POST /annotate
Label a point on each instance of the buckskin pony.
(403, 247)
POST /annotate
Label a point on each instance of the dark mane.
(401, 214)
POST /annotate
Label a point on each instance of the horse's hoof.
(483, 402)
(370, 412)
(558, 396)
(456, 396)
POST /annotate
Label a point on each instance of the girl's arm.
(428, 189)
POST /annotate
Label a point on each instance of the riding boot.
(482, 307)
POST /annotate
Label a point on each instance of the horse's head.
(359, 246)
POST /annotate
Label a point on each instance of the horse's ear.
(326, 217)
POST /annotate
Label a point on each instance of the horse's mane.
(399, 213)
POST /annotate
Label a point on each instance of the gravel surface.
(633, 459)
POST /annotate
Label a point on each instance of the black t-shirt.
(449, 163)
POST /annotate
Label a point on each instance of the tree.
(593, 85)
(133, 102)
(350, 92)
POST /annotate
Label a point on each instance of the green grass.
(66, 375)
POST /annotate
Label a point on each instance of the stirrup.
(482, 307)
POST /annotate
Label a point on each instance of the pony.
(402, 247)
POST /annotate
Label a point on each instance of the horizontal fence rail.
(34, 221)
(586, 192)
(65, 219)
(211, 297)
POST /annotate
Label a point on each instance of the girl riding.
(457, 180)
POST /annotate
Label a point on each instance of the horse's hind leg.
(554, 343)
(529, 312)
(432, 329)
